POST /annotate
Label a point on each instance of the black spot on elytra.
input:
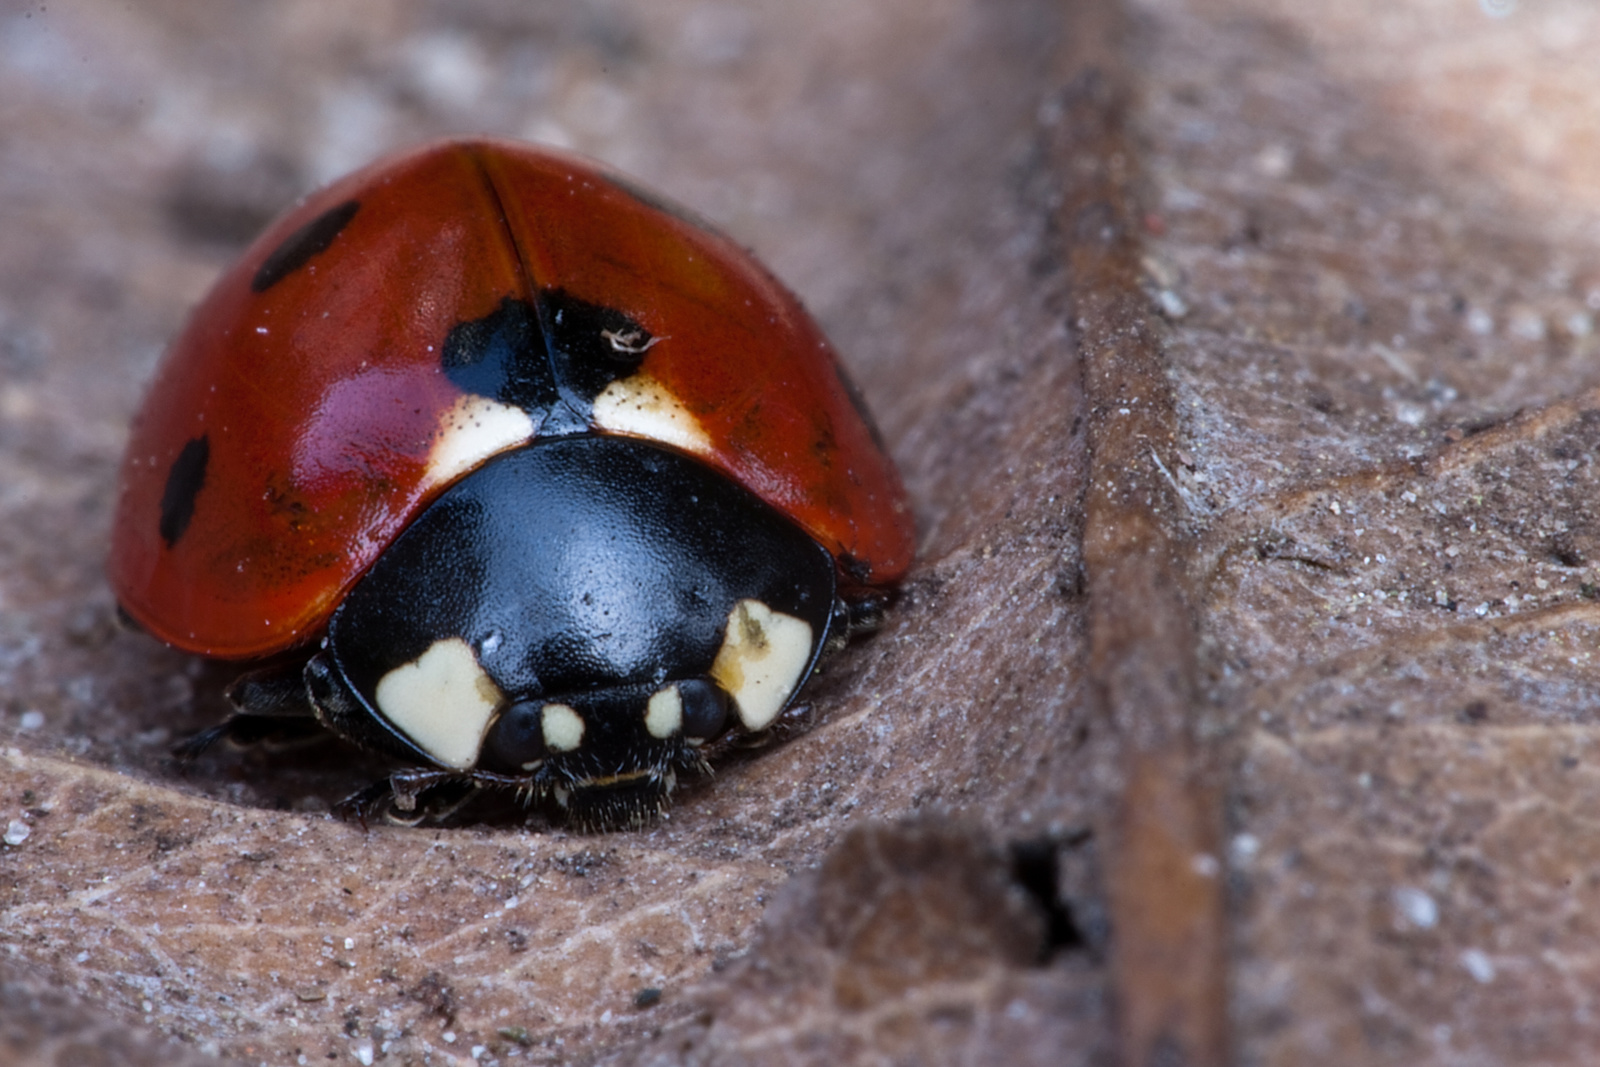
(551, 361)
(299, 247)
(185, 479)
(591, 345)
(502, 356)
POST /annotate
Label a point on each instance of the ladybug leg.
(448, 791)
(366, 804)
(405, 786)
(865, 616)
(394, 799)
(277, 692)
(852, 619)
(414, 795)
(270, 704)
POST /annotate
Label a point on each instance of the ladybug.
(507, 469)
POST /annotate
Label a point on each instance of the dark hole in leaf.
(1033, 866)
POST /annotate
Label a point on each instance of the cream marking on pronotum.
(562, 727)
(663, 716)
(643, 407)
(763, 656)
(474, 429)
(443, 701)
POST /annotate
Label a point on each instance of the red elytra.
(285, 440)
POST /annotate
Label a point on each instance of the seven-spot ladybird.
(510, 471)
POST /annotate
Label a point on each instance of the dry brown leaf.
(223, 905)
(909, 944)
(1371, 229)
(1382, 272)
(43, 1027)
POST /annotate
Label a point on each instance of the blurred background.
(1369, 238)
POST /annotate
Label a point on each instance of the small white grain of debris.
(16, 833)
(1396, 361)
(1275, 161)
(363, 1053)
(1205, 865)
(1244, 847)
(1416, 907)
(32, 719)
(1480, 966)
(1172, 305)
(1528, 325)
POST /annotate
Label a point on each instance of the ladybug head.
(610, 756)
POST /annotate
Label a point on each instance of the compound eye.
(517, 737)
(705, 709)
